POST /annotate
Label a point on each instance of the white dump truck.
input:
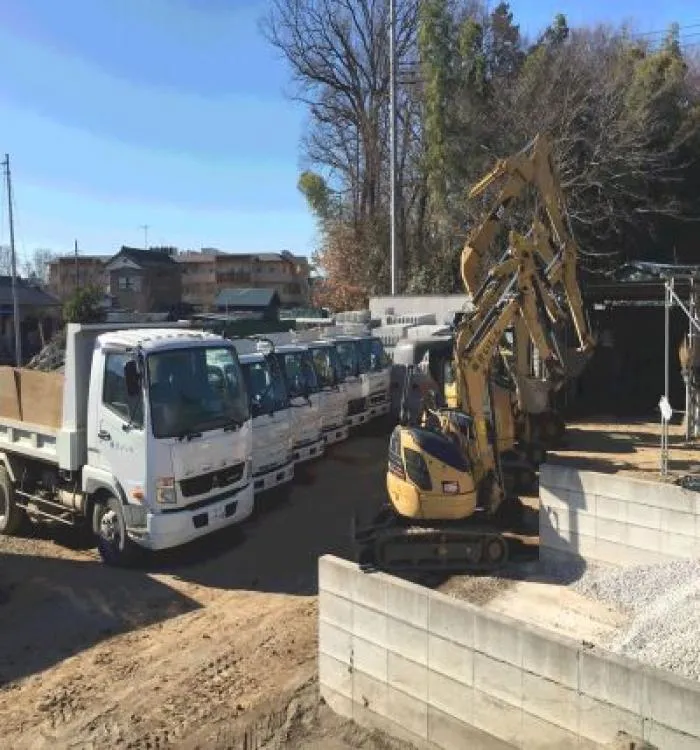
(146, 436)
(305, 400)
(367, 375)
(273, 462)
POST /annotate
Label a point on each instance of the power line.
(665, 31)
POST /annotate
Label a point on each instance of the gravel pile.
(663, 602)
(51, 358)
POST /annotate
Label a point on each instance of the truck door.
(120, 445)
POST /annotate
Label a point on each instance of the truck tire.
(11, 516)
(113, 544)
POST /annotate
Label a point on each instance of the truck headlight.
(165, 490)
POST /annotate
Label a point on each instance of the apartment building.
(67, 272)
(205, 274)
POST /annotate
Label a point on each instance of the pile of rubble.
(51, 358)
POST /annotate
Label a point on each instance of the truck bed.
(31, 411)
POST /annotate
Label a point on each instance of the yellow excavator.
(537, 422)
(445, 467)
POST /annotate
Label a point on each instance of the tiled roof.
(28, 295)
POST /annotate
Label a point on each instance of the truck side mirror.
(132, 378)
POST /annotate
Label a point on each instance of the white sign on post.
(666, 411)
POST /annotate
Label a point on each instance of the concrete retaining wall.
(616, 519)
(443, 673)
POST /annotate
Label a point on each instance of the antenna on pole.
(15, 300)
(392, 139)
(145, 235)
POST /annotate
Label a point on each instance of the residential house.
(69, 272)
(144, 280)
(39, 314)
(264, 303)
(207, 273)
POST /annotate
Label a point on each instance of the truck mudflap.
(272, 478)
(179, 526)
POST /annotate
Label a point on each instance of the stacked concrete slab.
(616, 519)
(440, 672)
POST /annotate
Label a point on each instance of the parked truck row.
(156, 435)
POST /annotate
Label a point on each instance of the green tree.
(84, 306)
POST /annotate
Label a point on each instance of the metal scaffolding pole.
(664, 404)
(671, 298)
(392, 140)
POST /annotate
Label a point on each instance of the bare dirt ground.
(631, 448)
(214, 645)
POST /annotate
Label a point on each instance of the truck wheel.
(113, 544)
(11, 516)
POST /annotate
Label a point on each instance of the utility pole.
(15, 300)
(145, 236)
(392, 139)
(77, 267)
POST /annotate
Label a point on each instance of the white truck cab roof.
(152, 339)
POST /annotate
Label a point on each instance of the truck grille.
(213, 480)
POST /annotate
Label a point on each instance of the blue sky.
(172, 113)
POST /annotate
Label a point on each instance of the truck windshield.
(347, 353)
(196, 389)
(373, 358)
(299, 372)
(265, 384)
(327, 365)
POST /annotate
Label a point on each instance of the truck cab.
(273, 463)
(147, 436)
(334, 396)
(367, 372)
(305, 398)
(375, 367)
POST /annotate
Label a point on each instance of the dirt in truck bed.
(210, 646)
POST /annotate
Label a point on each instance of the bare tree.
(37, 269)
(338, 54)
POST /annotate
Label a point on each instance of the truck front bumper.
(308, 452)
(172, 528)
(336, 434)
(273, 477)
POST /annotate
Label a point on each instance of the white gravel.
(663, 603)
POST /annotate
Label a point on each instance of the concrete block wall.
(616, 519)
(443, 673)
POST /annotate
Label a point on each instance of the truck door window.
(324, 367)
(348, 358)
(114, 392)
